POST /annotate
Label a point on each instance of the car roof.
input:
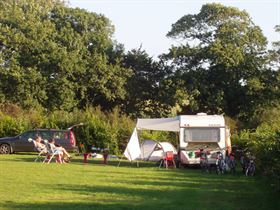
(47, 129)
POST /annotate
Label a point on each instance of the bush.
(10, 126)
(241, 139)
(264, 143)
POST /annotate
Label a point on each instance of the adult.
(65, 155)
(38, 143)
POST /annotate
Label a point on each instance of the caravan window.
(202, 134)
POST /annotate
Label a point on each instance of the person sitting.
(65, 155)
(38, 143)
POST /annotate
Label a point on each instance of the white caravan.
(202, 131)
(196, 132)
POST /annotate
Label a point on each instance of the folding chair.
(168, 159)
(51, 152)
(41, 151)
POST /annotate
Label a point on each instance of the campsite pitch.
(25, 184)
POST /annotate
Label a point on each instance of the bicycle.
(251, 168)
(204, 164)
(220, 163)
(231, 163)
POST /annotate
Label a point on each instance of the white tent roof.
(159, 124)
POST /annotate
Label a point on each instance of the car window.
(46, 135)
(28, 134)
(59, 135)
(52, 134)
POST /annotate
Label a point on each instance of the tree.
(57, 57)
(221, 51)
(277, 45)
(147, 89)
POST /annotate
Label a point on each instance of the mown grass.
(31, 185)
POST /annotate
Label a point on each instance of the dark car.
(20, 143)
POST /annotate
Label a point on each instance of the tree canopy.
(60, 58)
(221, 59)
(56, 56)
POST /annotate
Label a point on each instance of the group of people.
(62, 156)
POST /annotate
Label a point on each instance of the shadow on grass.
(188, 196)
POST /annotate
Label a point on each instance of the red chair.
(168, 160)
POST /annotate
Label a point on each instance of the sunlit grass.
(31, 185)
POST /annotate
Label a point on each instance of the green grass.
(25, 184)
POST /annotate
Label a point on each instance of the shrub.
(10, 126)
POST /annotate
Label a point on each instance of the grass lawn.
(25, 184)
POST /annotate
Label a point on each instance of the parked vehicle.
(203, 131)
(66, 138)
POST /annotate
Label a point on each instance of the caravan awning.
(159, 124)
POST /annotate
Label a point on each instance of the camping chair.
(41, 151)
(51, 152)
(168, 159)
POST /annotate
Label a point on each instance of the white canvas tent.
(154, 151)
(133, 150)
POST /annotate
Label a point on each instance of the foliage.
(276, 51)
(10, 126)
(56, 57)
(62, 58)
(264, 142)
(221, 61)
(147, 90)
(241, 139)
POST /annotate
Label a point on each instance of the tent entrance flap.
(133, 151)
(159, 124)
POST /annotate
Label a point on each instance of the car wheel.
(5, 149)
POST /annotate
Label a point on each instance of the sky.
(146, 22)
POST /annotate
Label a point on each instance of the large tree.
(57, 56)
(147, 92)
(221, 56)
